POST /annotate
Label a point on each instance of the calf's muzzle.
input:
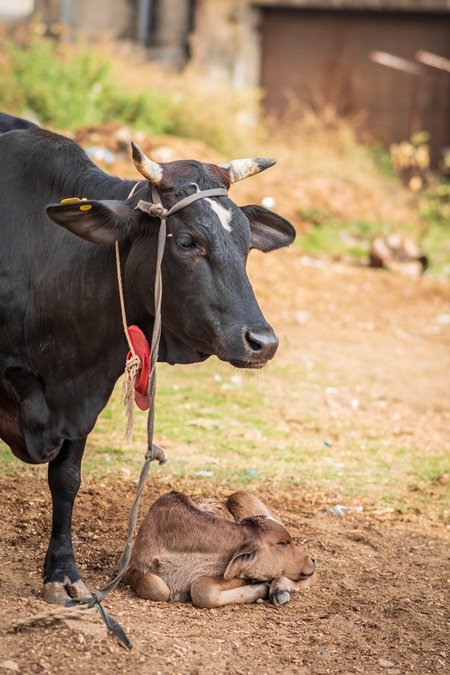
(309, 568)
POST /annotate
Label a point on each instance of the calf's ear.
(100, 222)
(241, 561)
(269, 231)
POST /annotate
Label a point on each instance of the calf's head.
(268, 552)
(208, 304)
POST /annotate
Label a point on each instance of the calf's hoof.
(58, 592)
(279, 597)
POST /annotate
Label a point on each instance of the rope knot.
(156, 454)
(154, 210)
(96, 598)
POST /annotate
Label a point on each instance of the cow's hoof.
(58, 592)
(280, 597)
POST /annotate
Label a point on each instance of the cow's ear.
(101, 222)
(242, 560)
(269, 231)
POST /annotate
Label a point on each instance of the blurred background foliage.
(68, 86)
(340, 194)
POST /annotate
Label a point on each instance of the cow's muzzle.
(260, 345)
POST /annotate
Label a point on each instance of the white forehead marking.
(223, 214)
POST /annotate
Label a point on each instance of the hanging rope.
(153, 451)
(133, 364)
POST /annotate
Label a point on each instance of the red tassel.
(142, 349)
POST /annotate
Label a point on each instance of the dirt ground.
(382, 600)
(381, 604)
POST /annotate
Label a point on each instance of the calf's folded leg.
(282, 587)
(148, 586)
(209, 592)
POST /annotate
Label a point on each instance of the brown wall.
(323, 58)
(387, 5)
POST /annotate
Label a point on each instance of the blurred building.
(305, 54)
(11, 10)
(163, 27)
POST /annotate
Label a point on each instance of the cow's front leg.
(210, 592)
(61, 577)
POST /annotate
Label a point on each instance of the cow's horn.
(243, 168)
(150, 170)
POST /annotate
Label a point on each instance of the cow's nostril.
(253, 344)
(261, 343)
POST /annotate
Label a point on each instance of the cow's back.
(10, 123)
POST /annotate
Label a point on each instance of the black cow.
(10, 123)
(62, 345)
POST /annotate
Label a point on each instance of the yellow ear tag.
(85, 207)
(70, 200)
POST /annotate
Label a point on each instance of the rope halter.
(133, 365)
(157, 210)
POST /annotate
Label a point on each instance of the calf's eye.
(283, 543)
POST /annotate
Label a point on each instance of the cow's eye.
(283, 543)
(186, 242)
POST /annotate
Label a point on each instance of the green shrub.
(335, 236)
(67, 90)
(67, 87)
(411, 162)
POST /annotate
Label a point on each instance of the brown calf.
(216, 553)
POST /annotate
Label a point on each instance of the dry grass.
(310, 141)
